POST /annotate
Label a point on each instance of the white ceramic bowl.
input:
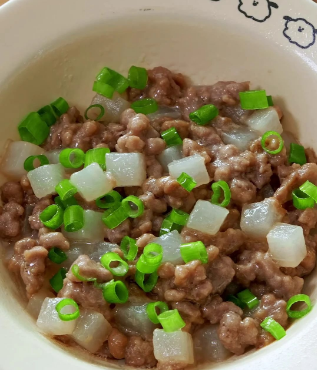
(50, 48)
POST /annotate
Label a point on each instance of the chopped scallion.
(76, 273)
(145, 106)
(270, 101)
(115, 292)
(56, 281)
(146, 283)
(52, 216)
(171, 321)
(138, 77)
(153, 254)
(179, 217)
(302, 200)
(33, 129)
(151, 310)
(204, 114)
(266, 136)
(99, 116)
(103, 89)
(114, 217)
(295, 299)
(218, 188)
(133, 206)
(310, 189)
(186, 181)
(97, 155)
(67, 316)
(297, 154)
(194, 251)
(273, 327)
(72, 158)
(107, 259)
(171, 137)
(73, 218)
(60, 106)
(56, 255)
(248, 298)
(65, 189)
(47, 115)
(114, 79)
(110, 200)
(254, 99)
(129, 248)
(65, 203)
(236, 301)
(29, 162)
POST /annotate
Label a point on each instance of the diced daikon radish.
(164, 111)
(92, 330)
(288, 138)
(45, 178)
(207, 345)
(287, 244)
(241, 137)
(132, 319)
(16, 152)
(53, 156)
(175, 347)
(169, 155)
(170, 243)
(100, 249)
(264, 120)
(49, 321)
(193, 165)
(207, 217)
(36, 301)
(257, 219)
(91, 182)
(127, 168)
(113, 107)
(92, 231)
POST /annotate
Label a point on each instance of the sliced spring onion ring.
(110, 257)
(135, 209)
(100, 115)
(110, 200)
(129, 248)
(273, 327)
(73, 218)
(103, 89)
(171, 321)
(57, 256)
(171, 137)
(65, 189)
(236, 301)
(270, 101)
(151, 310)
(179, 217)
(67, 316)
(76, 273)
(114, 79)
(60, 106)
(97, 155)
(47, 115)
(310, 189)
(56, 281)
(219, 187)
(194, 251)
(29, 162)
(268, 134)
(52, 216)
(302, 200)
(248, 298)
(65, 203)
(145, 267)
(204, 114)
(115, 292)
(138, 77)
(297, 154)
(168, 225)
(33, 129)
(153, 254)
(298, 298)
(186, 181)
(114, 217)
(253, 99)
(146, 283)
(72, 158)
(145, 106)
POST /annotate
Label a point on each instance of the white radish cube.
(171, 243)
(241, 137)
(16, 152)
(45, 178)
(100, 249)
(113, 107)
(49, 321)
(175, 347)
(265, 120)
(257, 219)
(169, 155)
(36, 301)
(91, 182)
(193, 165)
(127, 168)
(53, 156)
(287, 244)
(92, 330)
(207, 217)
(93, 230)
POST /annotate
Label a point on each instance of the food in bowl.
(171, 226)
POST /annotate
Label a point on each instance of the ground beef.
(215, 309)
(221, 272)
(10, 220)
(189, 312)
(34, 219)
(117, 344)
(20, 247)
(50, 239)
(139, 353)
(12, 192)
(272, 307)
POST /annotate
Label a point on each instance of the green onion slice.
(236, 301)
(254, 99)
(171, 321)
(67, 316)
(29, 162)
(65, 203)
(204, 114)
(72, 158)
(297, 154)
(115, 292)
(60, 106)
(171, 137)
(76, 273)
(153, 254)
(114, 217)
(152, 308)
(146, 283)
(56, 281)
(114, 79)
(110, 257)
(194, 251)
(65, 189)
(52, 216)
(133, 206)
(110, 200)
(145, 267)
(268, 134)
(33, 129)
(298, 298)
(47, 115)
(270, 101)
(248, 298)
(145, 106)
(97, 155)
(168, 225)
(218, 188)
(274, 328)
(186, 181)
(129, 248)
(103, 89)
(56, 255)
(309, 189)
(100, 115)
(73, 218)
(179, 217)
(302, 200)
(138, 77)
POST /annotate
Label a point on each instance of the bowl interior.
(202, 47)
